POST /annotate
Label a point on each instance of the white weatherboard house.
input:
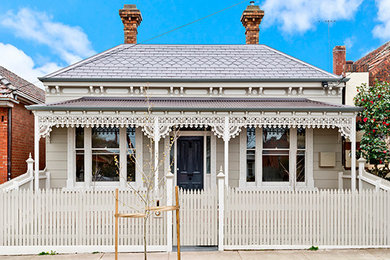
(273, 124)
(270, 120)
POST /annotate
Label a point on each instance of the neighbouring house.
(17, 124)
(270, 120)
(373, 66)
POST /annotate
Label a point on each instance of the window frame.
(293, 151)
(88, 183)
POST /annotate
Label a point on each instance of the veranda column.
(353, 154)
(36, 151)
(226, 139)
(156, 139)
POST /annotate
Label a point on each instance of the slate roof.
(11, 84)
(193, 104)
(191, 63)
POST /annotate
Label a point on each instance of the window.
(80, 171)
(131, 162)
(276, 145)
(250, 154)
(301, 150)
(105, 154)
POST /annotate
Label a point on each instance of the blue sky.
(40, 36)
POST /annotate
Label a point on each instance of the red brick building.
(17, 124)
(377, 63)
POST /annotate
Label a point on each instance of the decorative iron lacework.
(216, 122)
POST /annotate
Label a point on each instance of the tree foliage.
(374, 121)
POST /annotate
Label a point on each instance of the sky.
(41, 36)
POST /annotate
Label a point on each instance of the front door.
(190, 162)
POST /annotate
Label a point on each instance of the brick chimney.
(251, 19)
(339, 60)
(131, 19)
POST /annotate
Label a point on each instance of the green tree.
(374, 121)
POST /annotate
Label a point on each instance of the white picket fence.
(66, 222)
(286, 219)
(33, 222)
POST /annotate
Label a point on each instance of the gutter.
(204, 109)
(91, 80)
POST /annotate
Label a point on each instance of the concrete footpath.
(247, 255)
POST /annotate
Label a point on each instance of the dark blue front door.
(190, 162)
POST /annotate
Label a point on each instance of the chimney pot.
(131, 18)
(251, 19)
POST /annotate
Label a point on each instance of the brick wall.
(23, 140)
(3, 143)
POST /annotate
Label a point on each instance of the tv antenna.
(329, 22)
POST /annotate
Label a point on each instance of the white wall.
(326, 140)
(356, 79)
(56, 157)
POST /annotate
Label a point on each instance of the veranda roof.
(192, 104)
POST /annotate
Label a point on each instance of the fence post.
(47, 183)
(362, 163)
(221, 208)
(169, 190)
(341, 183)
(30, 169)
(377, 185)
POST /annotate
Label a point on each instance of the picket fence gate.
(83, 221)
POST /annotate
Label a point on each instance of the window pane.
(301, 138)
(250, 154)
(131, 165)
(79, 137)
(276, 138)
(275, 168)
(105, 167)
(300, 167)
(130, 137)
(105, 137)
(79, 166)
(251, 138)
(250, 166)
(208, 154)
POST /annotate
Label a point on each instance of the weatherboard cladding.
(196, 104)
(191, 62)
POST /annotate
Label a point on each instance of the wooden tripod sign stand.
(140, 215)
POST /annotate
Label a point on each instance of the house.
(371, 67)
(17, 124)
(270, 120)
(258, 155)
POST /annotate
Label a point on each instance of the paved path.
(369, 254)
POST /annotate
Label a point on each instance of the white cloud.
(349, 42)
(69, 42)
(23, 65)
(382, 31)
(302, 15)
